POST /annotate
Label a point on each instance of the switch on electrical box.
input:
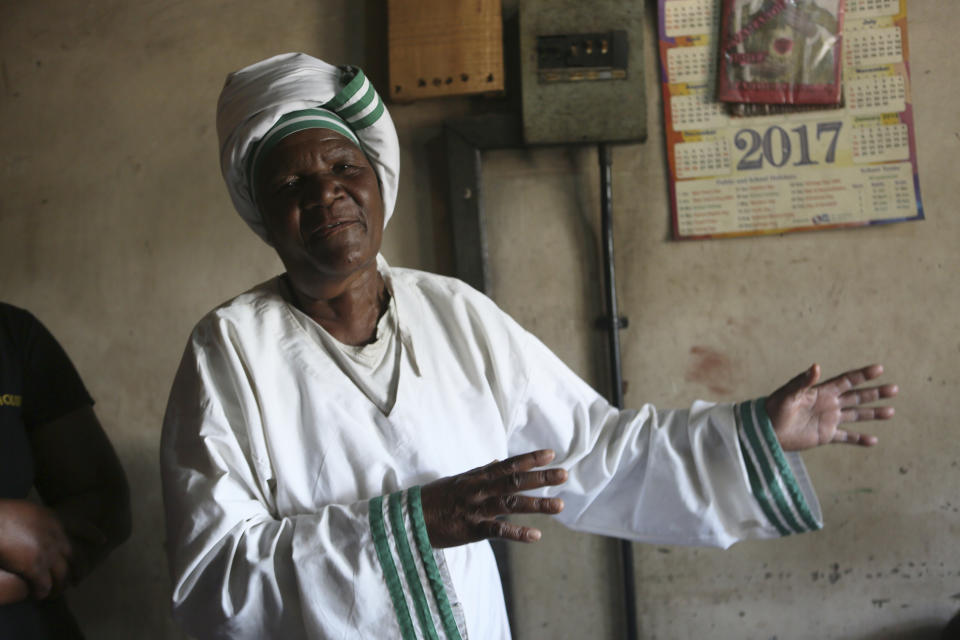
(582, 71)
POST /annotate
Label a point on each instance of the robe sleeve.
(712, 474)
(239, 570)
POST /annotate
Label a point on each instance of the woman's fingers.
(468, 507)
(525, 481)
(854, 377)
(852, 398)
(507, 531)
(514, 474)
(515, 503)
(517, 464)
(842, 436)
(859, 414)
(865, 396)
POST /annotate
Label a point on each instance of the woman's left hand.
(468, 507)
(806, 414)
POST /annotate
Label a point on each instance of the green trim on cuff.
(793, 489)
(430, 564)
(395, 508)
(755, 485)
(389, 569)
(767, 468)
(768, 471)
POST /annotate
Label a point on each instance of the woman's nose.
(323, 190)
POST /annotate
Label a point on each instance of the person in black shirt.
(50, 440)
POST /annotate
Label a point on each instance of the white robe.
(292, 502)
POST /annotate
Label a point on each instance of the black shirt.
(38, 384)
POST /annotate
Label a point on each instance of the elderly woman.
(321, 426)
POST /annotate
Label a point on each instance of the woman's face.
(321, 205)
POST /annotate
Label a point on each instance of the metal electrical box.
(582, 71)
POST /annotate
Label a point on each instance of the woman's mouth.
(330, 229)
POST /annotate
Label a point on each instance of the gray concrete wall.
(115, 229)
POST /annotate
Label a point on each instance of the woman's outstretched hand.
(806, 414)
(466, 507)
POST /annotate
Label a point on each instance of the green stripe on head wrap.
(293, 122)
(348, 91)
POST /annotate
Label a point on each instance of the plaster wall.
(732, 319)
(115, 229)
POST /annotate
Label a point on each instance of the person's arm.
(76, 473)
(86, 511)
(80, 478)
(711, 475)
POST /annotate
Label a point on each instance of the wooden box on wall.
(444, 48)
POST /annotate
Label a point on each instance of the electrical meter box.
(582, 71)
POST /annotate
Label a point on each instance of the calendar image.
(780, 51)
(838, 166)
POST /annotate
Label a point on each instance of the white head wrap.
(256, 97)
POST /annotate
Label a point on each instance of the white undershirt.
(373, 367)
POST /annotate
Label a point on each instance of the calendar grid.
(881, 144)
(871, 47)
(872, 8)
(875, 95)
(698, 159)
(697, 111)
(692, 65)
(690, 17)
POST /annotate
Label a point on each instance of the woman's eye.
(288, 184)
(342, 167)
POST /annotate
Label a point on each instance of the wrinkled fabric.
(279, 473)
(256, 97)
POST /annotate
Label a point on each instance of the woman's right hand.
(466, 507)
(34, 546)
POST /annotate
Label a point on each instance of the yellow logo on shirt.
(11, 400)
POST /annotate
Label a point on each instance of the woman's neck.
(348, 310)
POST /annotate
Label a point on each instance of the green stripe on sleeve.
(786, 473)
(430, 564)
(370, 118)
(755, 485)
(768, 473)
(389, 569)
(395, 509)
(346, 93)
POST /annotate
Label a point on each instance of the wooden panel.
(444, 48)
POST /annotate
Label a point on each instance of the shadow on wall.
(929, 630)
